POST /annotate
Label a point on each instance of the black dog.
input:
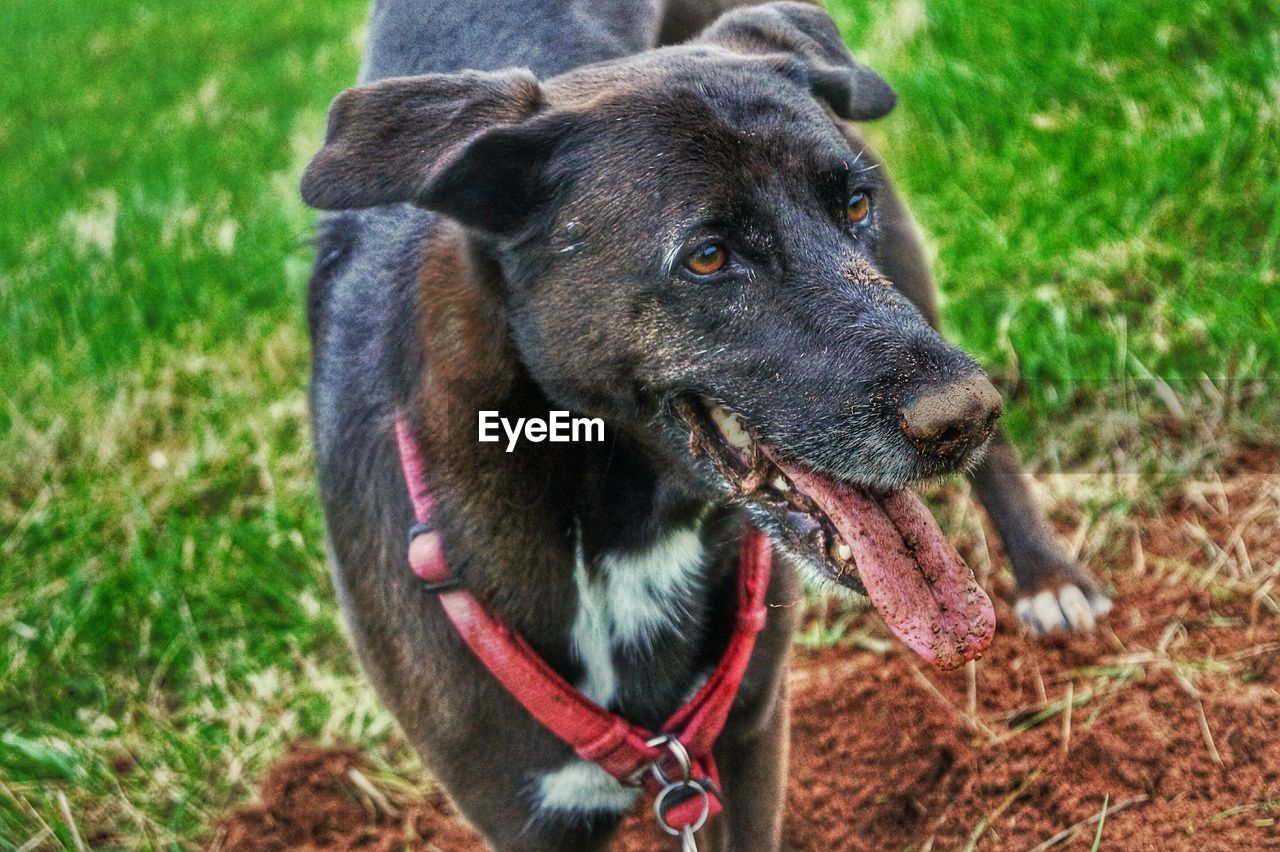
(691, 244)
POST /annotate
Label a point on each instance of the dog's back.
(546, 36)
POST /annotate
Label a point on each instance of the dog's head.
(692, 242)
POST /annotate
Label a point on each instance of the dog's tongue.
(920, 586)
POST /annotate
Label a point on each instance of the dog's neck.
(560, 538)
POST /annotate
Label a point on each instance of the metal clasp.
(683, 787)
(685, 833)
(678, 751)
(447, 584)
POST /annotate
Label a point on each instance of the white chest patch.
(582, 789)
(626, 604)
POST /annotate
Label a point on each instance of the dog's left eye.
(707, 259)
(858, 208)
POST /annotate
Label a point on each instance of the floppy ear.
(460, 144)
(851, 89)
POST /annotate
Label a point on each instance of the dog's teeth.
(730, 427)
(780, 483)
(844, 552)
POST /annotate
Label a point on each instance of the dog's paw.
(1066, 607)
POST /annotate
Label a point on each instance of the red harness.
(675, 764)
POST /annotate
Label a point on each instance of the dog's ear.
(852, 90)
(461, 144)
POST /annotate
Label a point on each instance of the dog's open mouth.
(885, 545)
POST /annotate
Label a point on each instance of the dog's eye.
(707, 258)
(858, 208)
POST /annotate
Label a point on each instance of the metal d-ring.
(679, 752)
(660, 811)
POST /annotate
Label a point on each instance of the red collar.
(674, 764)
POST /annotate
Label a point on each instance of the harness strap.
(627, 752)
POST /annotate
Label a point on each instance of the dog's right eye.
(707, 259)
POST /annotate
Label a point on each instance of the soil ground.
(1167, 717)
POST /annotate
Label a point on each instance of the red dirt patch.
(1175, 714)
(318, 798)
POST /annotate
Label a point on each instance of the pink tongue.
(919, 584)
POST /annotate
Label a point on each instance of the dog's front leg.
(752, 750)
(753, 775)
(1053, 591)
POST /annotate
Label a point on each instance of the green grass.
(166, 623)
(1100, 180)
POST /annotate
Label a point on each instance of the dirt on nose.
(954, 418)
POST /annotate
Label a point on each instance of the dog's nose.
(952, 419)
